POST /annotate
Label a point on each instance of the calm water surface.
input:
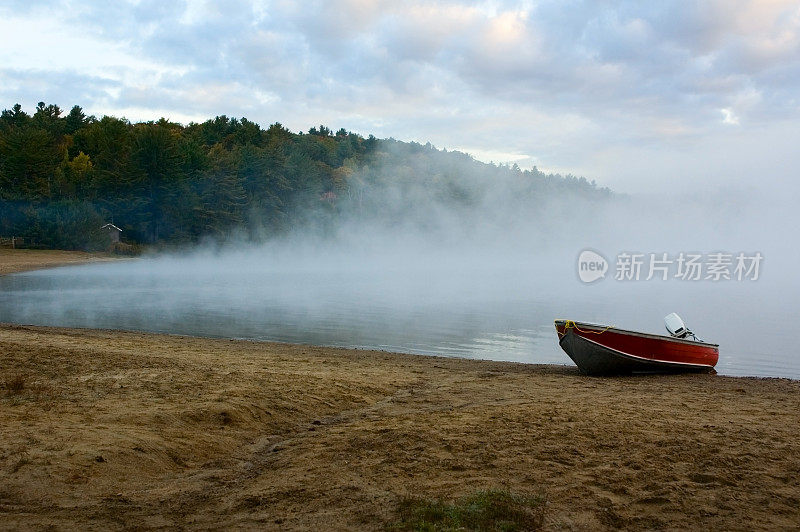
(486, 313)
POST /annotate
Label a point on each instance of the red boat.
(606, 350)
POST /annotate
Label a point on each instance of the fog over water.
(487, 284)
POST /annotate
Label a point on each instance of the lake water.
(485, 312)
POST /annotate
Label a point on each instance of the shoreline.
(570, 366)
(24, 260)
(112, 429)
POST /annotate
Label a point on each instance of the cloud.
(728, 117)
(553, 82)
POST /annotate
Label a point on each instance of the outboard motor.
(677, 328)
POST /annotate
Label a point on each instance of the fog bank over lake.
(491, 296)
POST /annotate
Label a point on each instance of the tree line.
(64, 175)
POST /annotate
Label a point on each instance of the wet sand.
(114, 429)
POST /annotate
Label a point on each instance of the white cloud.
(559, 85)
(728, 117)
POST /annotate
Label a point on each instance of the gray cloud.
(562, 84)
(66, 88)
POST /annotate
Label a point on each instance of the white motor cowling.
(675, 326)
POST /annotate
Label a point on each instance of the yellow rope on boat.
(571, 324)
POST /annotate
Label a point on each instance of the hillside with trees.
(64, 175)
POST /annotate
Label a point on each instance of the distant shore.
(107, 429)
(21, 260)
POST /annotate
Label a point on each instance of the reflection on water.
(505, 315)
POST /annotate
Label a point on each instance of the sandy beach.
(109, 430)
(20, 260)
(117, 429)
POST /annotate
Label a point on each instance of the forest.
(65, 175)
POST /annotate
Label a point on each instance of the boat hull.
(600, 350)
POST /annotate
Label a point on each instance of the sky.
(644, 97)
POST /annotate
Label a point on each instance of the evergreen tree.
(61, 177)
